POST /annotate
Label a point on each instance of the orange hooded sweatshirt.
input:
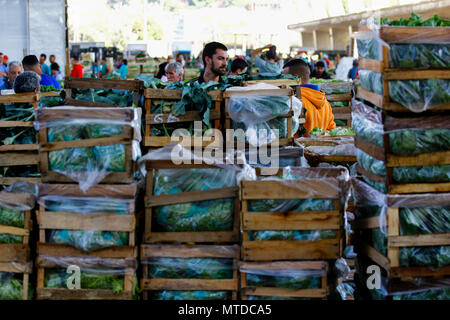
(318, 110)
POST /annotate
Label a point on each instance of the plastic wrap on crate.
(95, 273)
(371, 80)
(341, 269)
(336, 87)
(89, 166)
(287, 156)
(291, 235)
(189, 268)
(419, 55)
(339, 150)
(122, 98)
(346, 290)
(258, 114)
(420, 95)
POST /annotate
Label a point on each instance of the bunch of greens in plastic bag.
(193, 268)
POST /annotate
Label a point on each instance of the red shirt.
(77, 71)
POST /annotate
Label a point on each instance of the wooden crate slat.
(199, 236)
(406, 34)
(168, 118)
(188, 251)
(61, 145)
(62, 113)
(410, 272)
(371, 64)
(106, 263)
(424, 159)
(190, 284)
(368, 223)
(420, 187)
(370, 96)
(19, 147)
(307, 220)
(282, 292)
(18, 124)
(19, 159)
(82, 294)
(16, 267)
(370, 175)
(10, 181)
(338, 110)
(365, 249)
(284, 265)
(59, 250)
(151, 141)
(14, 231)
(14, 252)
(435, 239)
(125, 191)
(85, 103)
(192, 196)
(374, 151)
(339, 97)
(129, 85)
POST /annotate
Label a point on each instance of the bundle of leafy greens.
(288, 282)
(210, 215)
(10, 287)
(418, 95)
(339, 104)
(370, 48)
(109, 158)
(49, 88)
(419, 56)
(193, 268)
(332, 90)
(339, 131)
(190, 295)
(115, 97)
(11, 218)
(372, 81)
(416, 21)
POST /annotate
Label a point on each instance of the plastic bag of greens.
(372, 81)
(419, 56)
(189, 268)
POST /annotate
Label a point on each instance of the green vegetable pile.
(109, 96)
(339, 131)
(190, 295)
(11, 218)
(418, 95)
(109, 158)
(10, 287)
(372, 81)
(416, 21)
(193, 268)
(370, 48)
(49, 88)
(210, 215)
(419, 56)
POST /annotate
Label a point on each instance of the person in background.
(3, 73)
(319, 71)
(162, 72)
(122, 69)
(215, 57)
(94, 69)
(77, 69)
(44, 67)
(180, 59)
(14, 69)
(238, 67)
(353, 73)
(27, 81)
(174, 72)
(52, 59)
(106, 69)
(5, 61)
(56, 73)
(271, 64)
(31, 63)
(318, 110)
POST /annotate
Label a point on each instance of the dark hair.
(27, 81)
(1, 53)
(30, 61)
(298, 67)
(355, 63)
(125, 61)
(210, 50)
(162, 70)
(320, 64)
(238, 64)
(44, 55)
(272, 53)
(54, 66)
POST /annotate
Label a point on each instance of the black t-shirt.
(201, 80)
(324, 75)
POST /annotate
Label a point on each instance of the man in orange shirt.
(318, 109)
(77, 70)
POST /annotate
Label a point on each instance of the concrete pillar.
(300, 39)
(315, 39)
(331, 39)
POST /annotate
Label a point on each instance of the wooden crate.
(98, 114)
(22, 154)
(23, 268)
(390, 123)
(48, 220)
(327, 187)
(188, 118)
(391, 263)
(287, 92)
(319, 293)
(86, 83)
(186, 252)
(340, 113)
(315, 159)
(403, 34)
(152, 201)
(60, 256)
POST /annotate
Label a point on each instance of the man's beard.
(217, 72)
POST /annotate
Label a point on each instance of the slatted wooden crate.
(85, 83)
(188, 118)
(19, 199)
(328, 186)
(52, 256)
(340, 113)
(285, 92)
(20, 268)
(396, 241)
(314, 159)
(49, 220)
(152, 201)
(403, 34)
(187, 252)
(88, 114)
(390, 123)
(283, 266)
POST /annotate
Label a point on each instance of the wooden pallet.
(52, 256)
(48, 220)
(188, 118)
(391, 263)
(185, 252)
(98, 114)
(286, 92)
(325, 188)
(248, 290)
(151, 201)
(403, 34)
(86, 83)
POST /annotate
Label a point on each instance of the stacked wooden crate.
(91, 220)
(403, 154)
(16, 213)
(191, 237)
(286, 223)
(339, 95)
